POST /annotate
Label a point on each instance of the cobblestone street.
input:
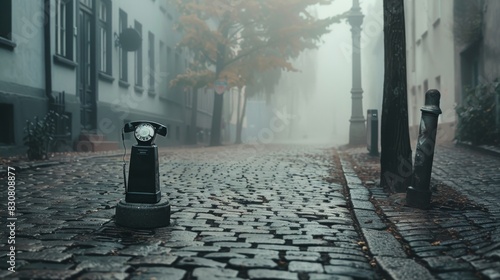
(253, 212)
(257, 139)
(275, 212)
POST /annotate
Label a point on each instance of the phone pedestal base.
(143, 215)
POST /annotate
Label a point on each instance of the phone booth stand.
(143, 175)
(143, 206)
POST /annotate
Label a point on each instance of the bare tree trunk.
(238, 115)
(215, 139)
(194, 116)
(395, 159)
(241, 118)
(215, 133)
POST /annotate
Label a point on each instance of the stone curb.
(387, 251)
(488, 149)
(28, 165)
(401, 268)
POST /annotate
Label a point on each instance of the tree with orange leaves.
(234, 39)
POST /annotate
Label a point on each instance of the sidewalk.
(256, 212)
(459, 238)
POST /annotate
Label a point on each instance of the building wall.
(23, 69)
(477, 49)
(118, 104)
(430, 61)
(22, 83)
(491, 33)
(492, 48)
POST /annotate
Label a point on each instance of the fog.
(318, 98)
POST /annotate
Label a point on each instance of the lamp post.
(357, 132)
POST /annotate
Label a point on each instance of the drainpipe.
(47, 54)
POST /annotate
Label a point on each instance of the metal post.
(357, 122)
(372, 131)
(497, 103)
(419, 195)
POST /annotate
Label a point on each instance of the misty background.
(318, 97)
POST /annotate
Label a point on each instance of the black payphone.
(143, 178)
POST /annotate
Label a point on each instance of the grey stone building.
(65, 55)
(477, 49)
(451, 45)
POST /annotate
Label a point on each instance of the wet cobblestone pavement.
(277, 212)
(254, 212)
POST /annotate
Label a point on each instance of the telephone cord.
(124, 162)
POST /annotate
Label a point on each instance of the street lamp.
(357, 132)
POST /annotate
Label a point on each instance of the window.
(122, 25)
(104, 26)
(151, 58)
(469, 63)
(426, 86)
(138, 58)
(6, 20)
(64, 28)
(7, 117)
(163, 68)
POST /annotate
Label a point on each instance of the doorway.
(87, 66)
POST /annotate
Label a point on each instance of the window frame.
(163, 72)
(122, 54)
(6, 24)
(64, 30)
(105, 25)
(151, 62)
(138, 58)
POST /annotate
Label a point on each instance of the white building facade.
(430, 56)
(66, 54)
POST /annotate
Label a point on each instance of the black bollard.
(372, 131)
(419, 194)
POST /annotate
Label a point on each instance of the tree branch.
(247, 53)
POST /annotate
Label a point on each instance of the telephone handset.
(145, 131)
